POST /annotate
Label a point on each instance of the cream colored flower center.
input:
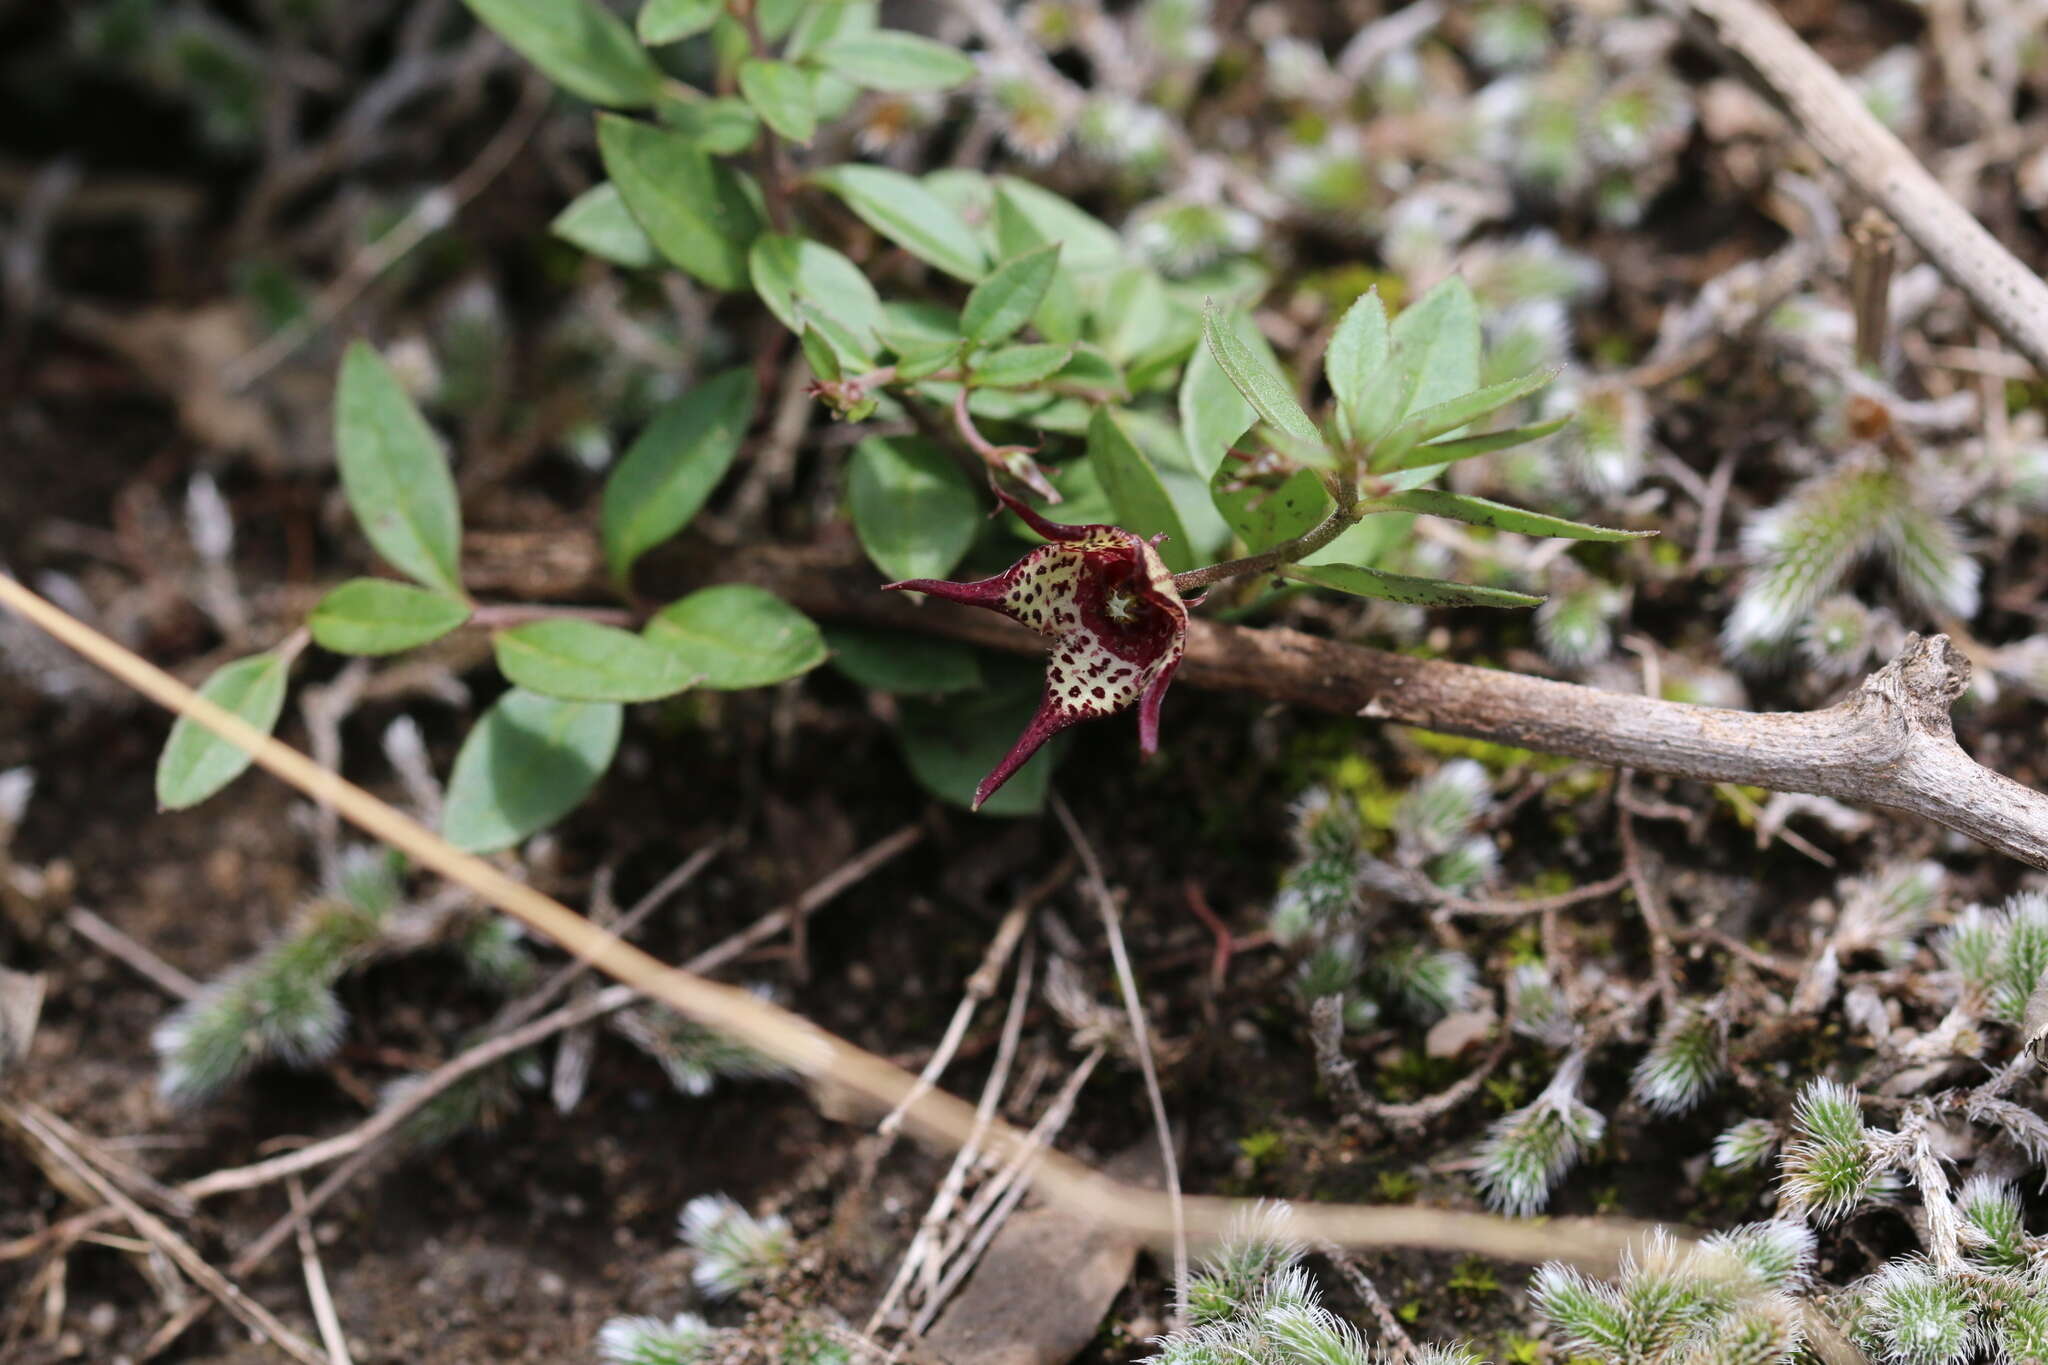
(1121, 606)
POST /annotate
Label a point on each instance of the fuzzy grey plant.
(1746, 1144)
(1575, 626)
(1321, 889)
(1999, 956)
(1426, 982)
(281, 1005)
(1840, 638)
(1885, 912)
(695, 1058)
(1440, 810)
(1993, 1224)
(1181, 234)
(1526, 1152)
(1833, 1160)
(1688, 1057)
(1604, 452)
(683, 1339)
(1727, 1301)
(1253, 1303)
(1538, 1008)
(1800, 550)
(735, 1250)
(1469, 863)
(1255, 1252)
(1913, 1314)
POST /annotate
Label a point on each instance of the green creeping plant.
(1028, 340)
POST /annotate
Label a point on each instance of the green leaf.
(1442, 418)
(1400, 587)
(915, 512)
(1213, 414)
(671, 21)
(803, 281)
(672, 467)
(1088, 368)
(1005, 301)
(1359, 350)
(778, 17)
(823, 24)
(577, 44)
(917, 360)
(597, 221)
(1061, 312)
(395, 474)
(819, 355)
(1135, 490)
(1436, 357)
(1264, 388)
(893, 661)
(1137, 317)
(583, 661)
(908, 214)
(1434, 502)
(1087, 244)
(1437, 453)
(195, 762)
(722, 126)
(889, 59)
(378, 616)
(781, 95)
(1014, 367)
(524, 765)
(694, 209)
(1437, 338)
(952, 744)
(736, 636)
(1264, 516)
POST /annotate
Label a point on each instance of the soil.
(514, 1244)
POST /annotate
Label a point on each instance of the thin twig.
(1663, 958)
(258, 1318)
(803, 1047)
(1398, 1341)
(980, 986)
(1450, 907)
(1001, 1195)
(511, 1038)
(116, 944)
(927, 1235)
(1841, 127)
(329, 1321)
(1888, 744)
(1112, 925)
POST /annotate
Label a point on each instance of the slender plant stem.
(1347, 515)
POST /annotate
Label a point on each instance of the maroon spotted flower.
(1116, 620)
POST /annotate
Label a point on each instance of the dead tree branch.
(1752, 38)
(1889, 744)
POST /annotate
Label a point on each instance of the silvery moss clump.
(733, 1251)
(1320, 908)
(280, 1006)
(1728, 1300)
(1254, 1303)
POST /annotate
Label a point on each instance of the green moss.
(1474, 1276)
(1396, 1187)
(1262, 1148)
(1495, 758)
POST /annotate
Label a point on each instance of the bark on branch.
(1889, 744)
(1829, 115)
